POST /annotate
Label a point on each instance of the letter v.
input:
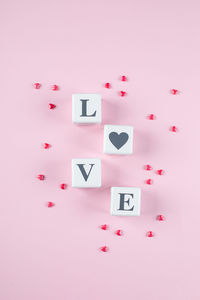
(82, 169)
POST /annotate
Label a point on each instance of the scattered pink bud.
(37, 85)
(173, 128)
(123, 78)
(50, 204)
(122, 93)
(51, 106)
(41, 177)
(63, 186)
(104, 249)
(150, 234)
(160, 218)
(119, 232)
(46, 146)
(149, 181)
(104, 227)
(174, 91)
(55, 87)
(148, 167)
(107, 85)
(160, 172)
(151, 117)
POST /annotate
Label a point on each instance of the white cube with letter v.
(86, 172)
(86, 108)
(125, 201)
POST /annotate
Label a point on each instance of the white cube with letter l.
(125, 201)
(86, 172)
(86, 108)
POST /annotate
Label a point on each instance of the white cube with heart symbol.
(86, 108)
(118, 139)
(86, 172)
(125, 201)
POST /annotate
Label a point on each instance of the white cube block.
(86, 172)
(86, 108)
(125, 201)
(118, 139)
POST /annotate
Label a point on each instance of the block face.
(86, 108)
(118, 139)
(86, 172)
(125, 201)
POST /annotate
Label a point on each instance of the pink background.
(53, 253)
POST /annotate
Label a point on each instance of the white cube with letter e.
(125, 201)
(86, 108)
(86, 172)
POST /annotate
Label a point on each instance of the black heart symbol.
(118, 140)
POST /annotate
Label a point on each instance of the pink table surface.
(53, 253)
